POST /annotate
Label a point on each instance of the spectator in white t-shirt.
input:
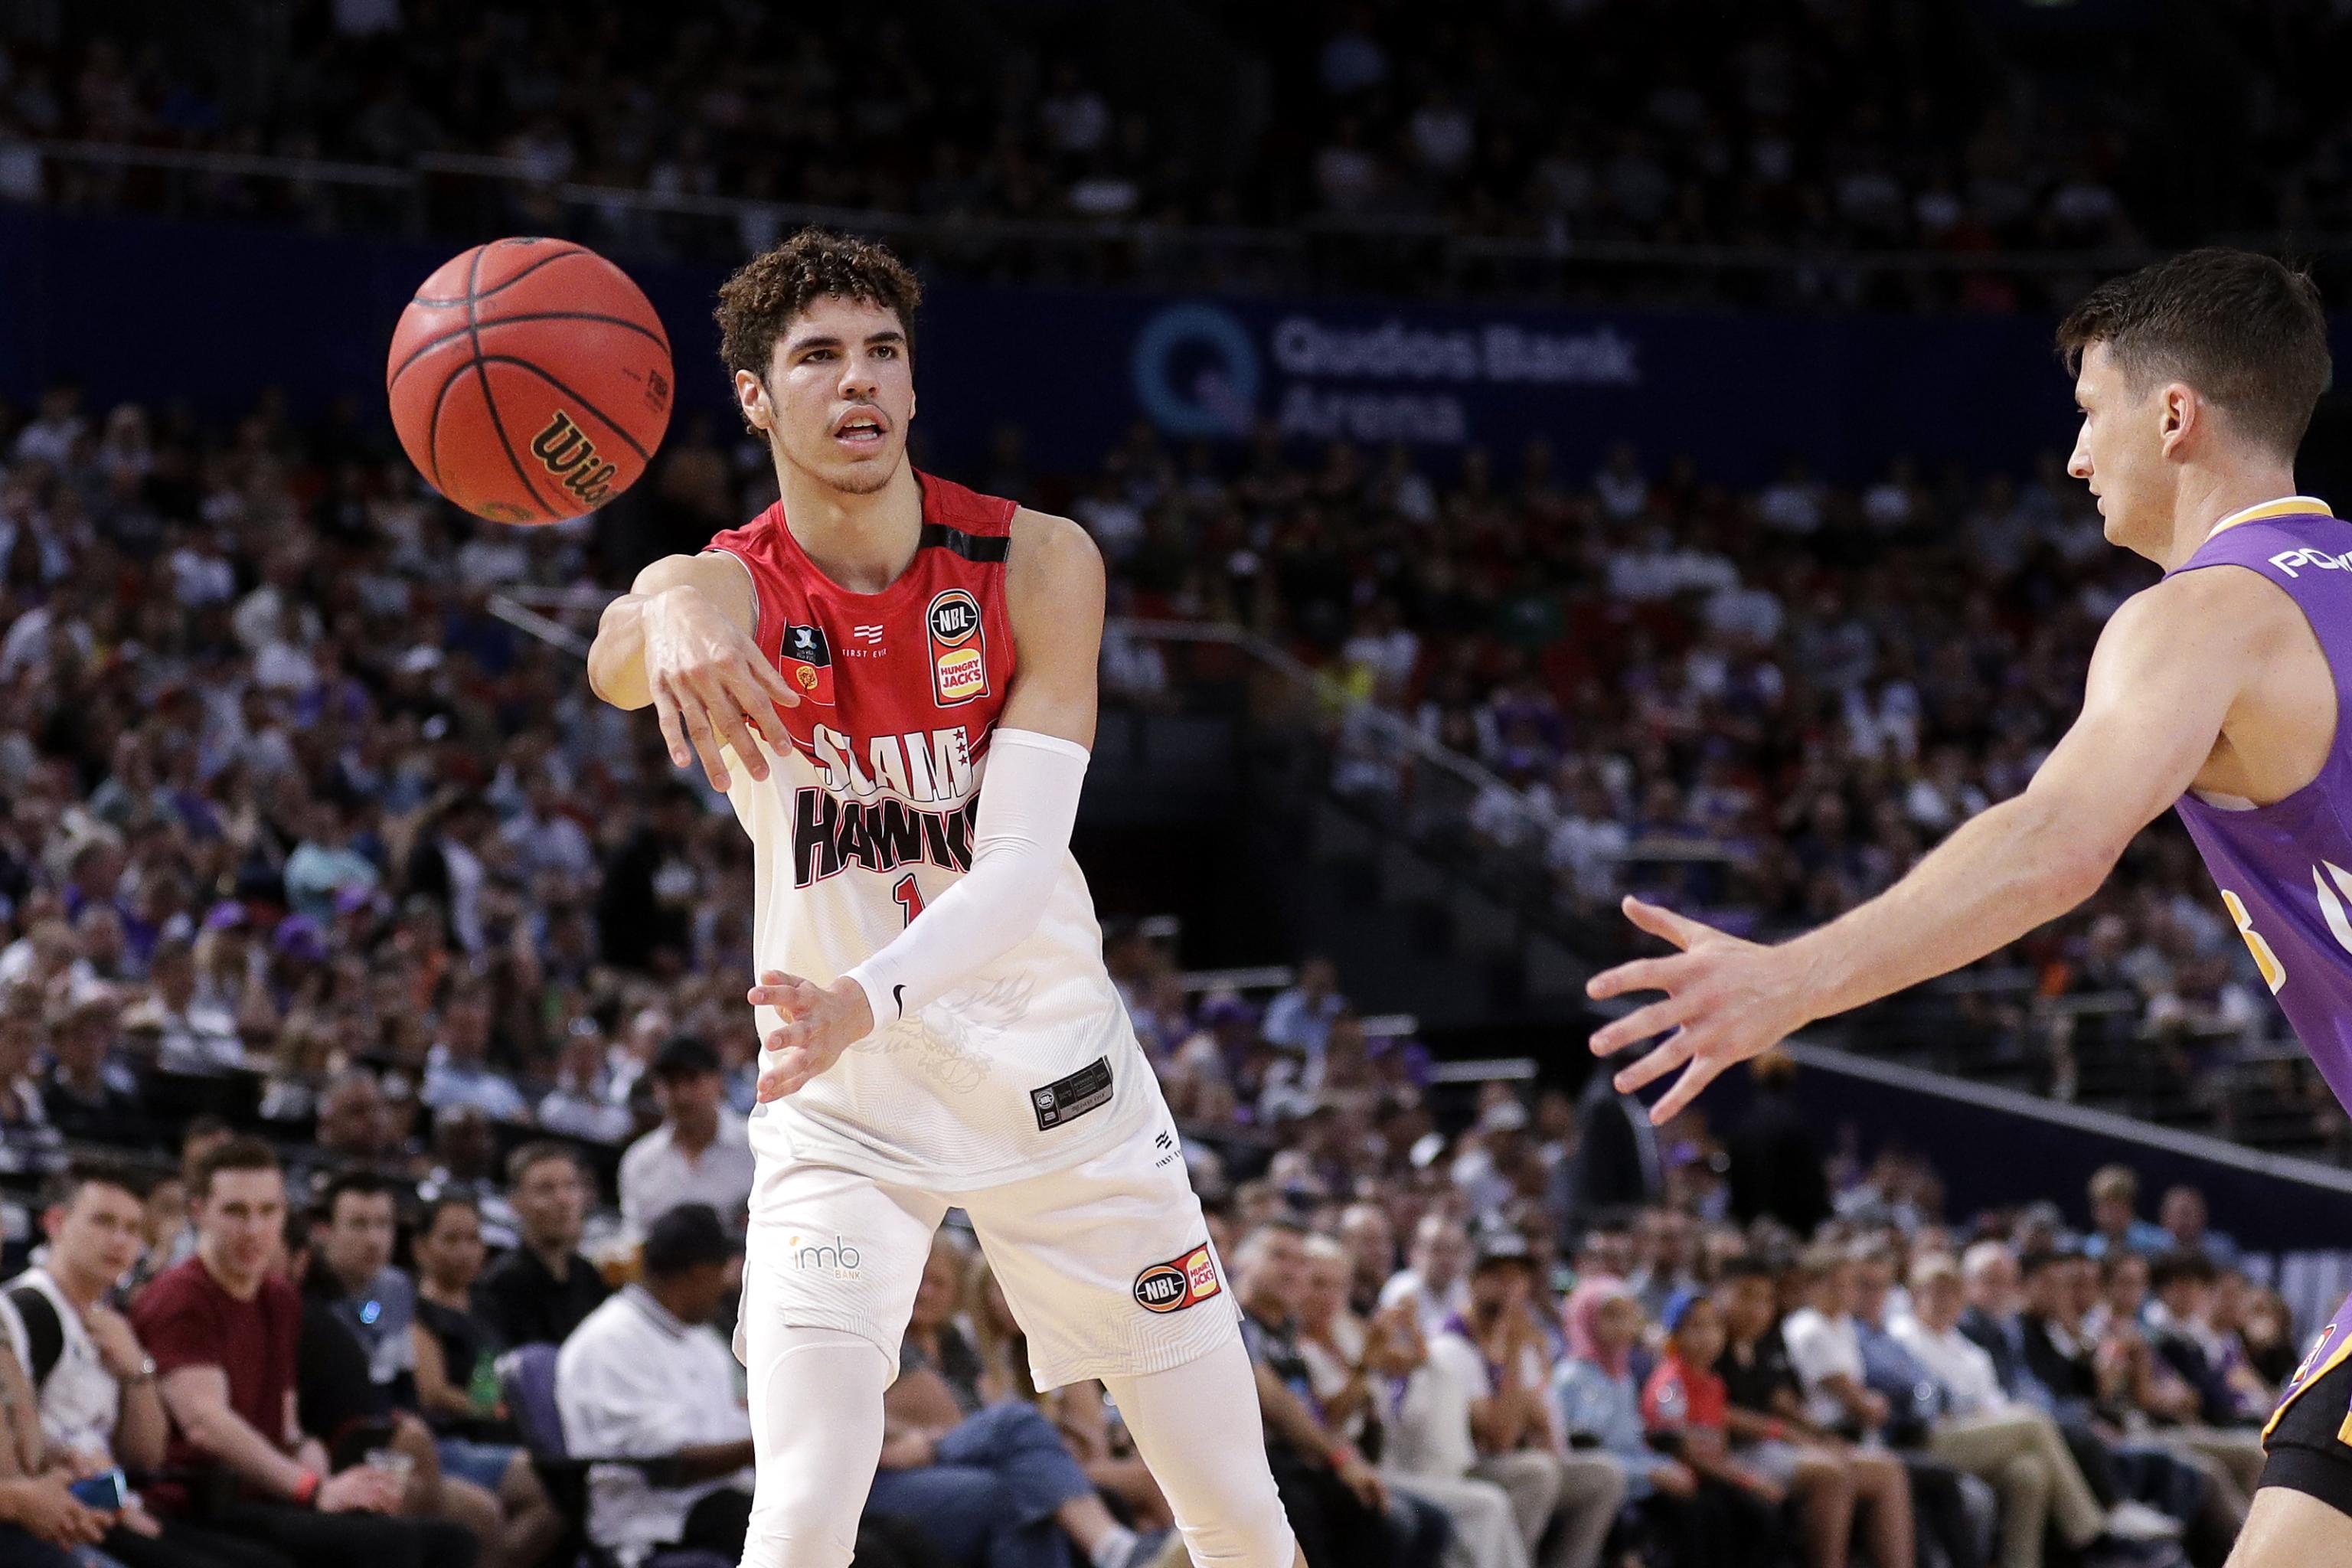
(645, 1377)
(1825, 1347)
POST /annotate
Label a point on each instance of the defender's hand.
(822, 1021)
(1727, 999)
(710, 684)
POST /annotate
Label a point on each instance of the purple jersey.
(2285, 869)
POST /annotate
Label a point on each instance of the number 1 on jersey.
(910, 897)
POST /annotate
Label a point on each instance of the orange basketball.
(530, 380)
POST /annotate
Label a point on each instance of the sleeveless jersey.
(1027, 1064)
(2285, 869)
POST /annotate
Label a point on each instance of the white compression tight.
(817, 1425)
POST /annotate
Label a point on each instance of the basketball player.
(938, 1030)
(2219, 691)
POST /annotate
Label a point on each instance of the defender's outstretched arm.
(2168, 666)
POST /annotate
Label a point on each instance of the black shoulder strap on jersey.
(45, 1337)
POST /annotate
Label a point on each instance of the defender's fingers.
(1641, 1024)
(1702, 1070)
(1656, 1064)
(1639, 974)
(1660, 920)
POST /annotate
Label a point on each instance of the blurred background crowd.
(1973, 131)
(349, 948)
(306, 837)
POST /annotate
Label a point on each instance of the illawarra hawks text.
(869, 815)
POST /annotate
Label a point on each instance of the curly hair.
(759, 301)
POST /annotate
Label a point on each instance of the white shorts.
(1107, 1264)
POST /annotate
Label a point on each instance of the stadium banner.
(133, 305)
(143, 307)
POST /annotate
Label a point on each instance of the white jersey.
(1030, 1063)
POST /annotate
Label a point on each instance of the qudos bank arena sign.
(1214, 371)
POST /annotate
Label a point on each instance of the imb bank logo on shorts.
(835, 1258)
(1173, 1285)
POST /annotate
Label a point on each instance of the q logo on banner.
(1196, 371)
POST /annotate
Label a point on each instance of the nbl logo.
(1045, 1098)
(1160, 1288)
(959, 648)
(954, 616)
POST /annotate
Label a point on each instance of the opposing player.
(893, 679)
(2220, 691)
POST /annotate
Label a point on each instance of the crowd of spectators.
(1935, 124)
(1547, 1338)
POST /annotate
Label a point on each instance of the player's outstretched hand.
(1727, 999)
(821, 1022)
(710, 684)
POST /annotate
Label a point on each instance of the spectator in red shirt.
(223, 1328)
(1686, 1409)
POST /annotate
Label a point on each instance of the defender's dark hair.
(2244, 329)
(764, 296)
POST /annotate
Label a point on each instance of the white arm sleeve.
(1028, 802)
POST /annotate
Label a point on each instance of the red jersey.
(1029, 1062)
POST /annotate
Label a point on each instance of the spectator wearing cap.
(457, 1069)
(188, 1034)
(91, 1097)
(538, 1293)
(1497, 1350)
(701, 1153)
(644, 1376)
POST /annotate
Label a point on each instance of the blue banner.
(149, 309)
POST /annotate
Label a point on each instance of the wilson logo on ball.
(565, 451)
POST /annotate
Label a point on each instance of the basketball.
(530, 380)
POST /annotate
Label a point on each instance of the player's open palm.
(820, 1022)
(1727, 999)
(710, 684)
